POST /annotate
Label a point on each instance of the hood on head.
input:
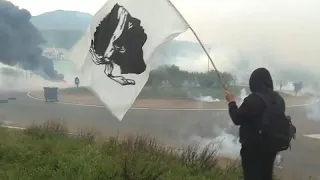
(260, 80)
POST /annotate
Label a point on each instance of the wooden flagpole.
(204, 49)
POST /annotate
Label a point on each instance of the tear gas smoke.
(206, 99)
(243, 94)
(17, 79)
(313, 109)
(248, 34)
(20, 42)
(226, 143)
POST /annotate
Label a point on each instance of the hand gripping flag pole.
(204, 49)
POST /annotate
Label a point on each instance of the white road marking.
(314, 136)
(100, 106)
(156, 109)
(12, 127)
(75, 104)
(21, 128)
(8, 122)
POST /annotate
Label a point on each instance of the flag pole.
(204, 49)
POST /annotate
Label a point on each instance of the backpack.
(276, 129)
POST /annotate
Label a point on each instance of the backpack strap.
(266, 101)
(263, 98)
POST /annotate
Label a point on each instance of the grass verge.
(48, 151)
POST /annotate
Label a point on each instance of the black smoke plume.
(20, 42)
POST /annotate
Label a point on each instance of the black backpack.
(276, 129)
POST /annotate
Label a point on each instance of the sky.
(37, 7)
(276, 33)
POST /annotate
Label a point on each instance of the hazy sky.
(275, 33)
(37, 7)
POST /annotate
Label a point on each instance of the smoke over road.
(20, 42)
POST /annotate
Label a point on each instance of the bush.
(48, 152)
(173, 75)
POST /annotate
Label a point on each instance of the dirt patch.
(90, 99)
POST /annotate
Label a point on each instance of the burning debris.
(20, 42)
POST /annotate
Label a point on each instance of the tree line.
(172, 75)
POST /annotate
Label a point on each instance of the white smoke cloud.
(14, 78)
(206, 99)
(227, 145)
(244, 35)
(313, 109)
(288, 87)
(243, 94)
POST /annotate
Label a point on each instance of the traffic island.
(84, 97)
(2, 101)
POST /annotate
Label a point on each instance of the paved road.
(172, 127)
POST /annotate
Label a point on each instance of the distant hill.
(64, 39)
(62, 20)
(62, 29)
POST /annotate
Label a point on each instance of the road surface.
(172, 127)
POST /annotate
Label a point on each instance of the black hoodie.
(249, 114)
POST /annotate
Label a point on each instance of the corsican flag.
(116, 52)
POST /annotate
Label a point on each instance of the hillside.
(60, 38)
(62, 29)
(62, 20)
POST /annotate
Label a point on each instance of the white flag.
(116, 53)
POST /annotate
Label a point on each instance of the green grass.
(49, 152)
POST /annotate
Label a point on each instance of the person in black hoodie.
(257, 164)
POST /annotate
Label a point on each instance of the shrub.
(48, 151)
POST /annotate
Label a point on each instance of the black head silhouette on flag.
(118, 40)
(123, 41)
